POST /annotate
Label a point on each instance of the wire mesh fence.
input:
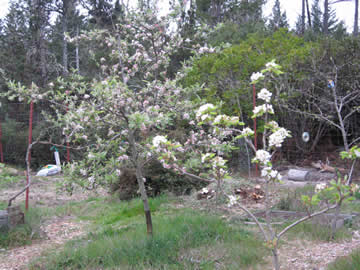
(15, 118)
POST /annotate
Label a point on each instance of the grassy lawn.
(183, 239)
(351, 262)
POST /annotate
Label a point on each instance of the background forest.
(42, 40)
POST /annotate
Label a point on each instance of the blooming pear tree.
(213, 137)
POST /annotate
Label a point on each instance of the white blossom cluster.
(262, 156)
(205, 157)
(225, 118)
(263, 108)
(232, 200)
(271, 64)
(273, 125)
(277, 138)
(204, 108)
(320, 187)
(247, 132)
(256, 76)
(270, 174)
(158, 140)
(265, 95)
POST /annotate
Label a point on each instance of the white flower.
(232, 200)
(270, 174)
(186, 116)
(204, 117)
(357, 153)
(271, 64)
(158, 140)
(247, 132)
(83, 172)
(218, 162)
(273, 124)
(204, 191)
(91, 180)
(263, 108)
(262, 156)
(218, 119)
(204, 108)
(86, 96)
(256, 76)
(204, 157)
(278, 137)
(118, 172)
(320, 187)
(264, 94)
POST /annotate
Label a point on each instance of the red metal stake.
(255, 137)
(1, 146)
(67, 143)
(29, 157)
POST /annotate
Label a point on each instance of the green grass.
(351, 262)
(7, 180)
(291, 201)
(22, 234)
(184, 241)
(3, 205)
(317, 232)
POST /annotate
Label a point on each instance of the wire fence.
(14, 138)
(18, 125)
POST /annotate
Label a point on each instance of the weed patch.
(350, 262)
(22, 234)
(169, 248)
(317, 232)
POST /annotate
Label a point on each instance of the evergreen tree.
(279, 19)
(316, 15)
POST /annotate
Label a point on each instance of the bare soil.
(295, 254)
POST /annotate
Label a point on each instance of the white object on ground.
(51, 169)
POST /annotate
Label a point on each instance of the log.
(15, 215)
(3, 220)
(298, 175)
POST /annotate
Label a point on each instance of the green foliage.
(7, 177)
(226, 74)
(169, 248)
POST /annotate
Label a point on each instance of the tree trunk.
(308, 12)
(326, 18)
(77, 59)
(303, 17)
(65, 48)
(356, 19)
(275, 259)
(144, 197)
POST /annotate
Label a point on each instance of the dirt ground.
(295, 254)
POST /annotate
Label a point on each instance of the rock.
(298, 175)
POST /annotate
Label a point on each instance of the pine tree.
(316, 15)
(279, 19)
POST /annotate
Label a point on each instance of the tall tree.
(356, 15)
(37, 55)
(316, 15)
(278, 19)
(308, 13)
(356, 18)
(326, 17)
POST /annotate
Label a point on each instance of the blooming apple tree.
(116, 116)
